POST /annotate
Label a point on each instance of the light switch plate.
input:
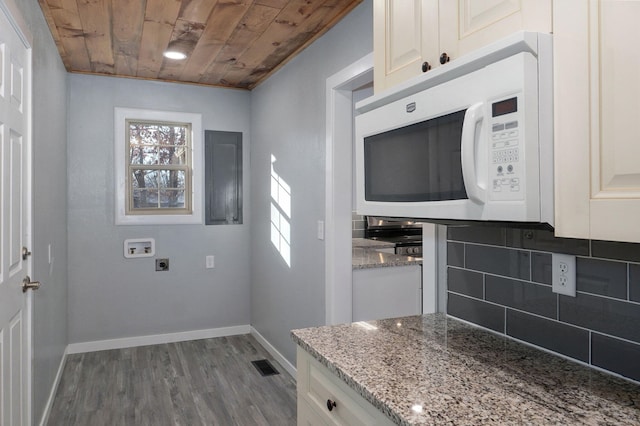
(321, 229)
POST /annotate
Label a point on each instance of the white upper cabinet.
(466, 25)
(597, 99)
(596, 90)
(412, 36)
(405, 35)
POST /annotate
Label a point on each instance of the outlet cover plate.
(162, 264)
(563, 275)
(139, 247)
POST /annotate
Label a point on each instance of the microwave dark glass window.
(420, 162)
(504, 107)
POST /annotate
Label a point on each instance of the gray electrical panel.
(223, 177)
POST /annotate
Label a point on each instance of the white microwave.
(469, 141)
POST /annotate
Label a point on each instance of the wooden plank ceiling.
(228, 43)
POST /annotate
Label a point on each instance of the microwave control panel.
(505, 163)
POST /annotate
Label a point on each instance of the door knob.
(27, 284)
(444, 58)
(426, 66)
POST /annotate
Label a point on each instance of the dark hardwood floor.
(201, 382)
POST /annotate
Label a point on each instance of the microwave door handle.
(470, 136)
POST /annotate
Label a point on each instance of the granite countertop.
(368, 258)
(433, 369)
(369, 243)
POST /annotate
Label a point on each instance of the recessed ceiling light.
(172, 54)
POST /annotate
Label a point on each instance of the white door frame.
(13, 14)
(338, 203)
(338, 184)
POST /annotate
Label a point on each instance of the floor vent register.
(264, 367)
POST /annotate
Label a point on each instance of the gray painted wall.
(113, 297)
(50, 204)
(288, 121)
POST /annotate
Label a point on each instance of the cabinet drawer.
(307, 416)
(316, 386)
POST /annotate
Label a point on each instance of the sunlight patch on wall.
(280, 214)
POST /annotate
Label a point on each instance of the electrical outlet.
(563, 279)
(210, 262)
(162, 264)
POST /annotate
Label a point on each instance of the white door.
(15, 226)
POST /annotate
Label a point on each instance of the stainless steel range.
(405, 234)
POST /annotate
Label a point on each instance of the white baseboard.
(54, 388)
(156, 339)
(274, 352)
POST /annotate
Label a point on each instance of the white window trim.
(197, 152)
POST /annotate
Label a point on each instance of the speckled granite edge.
(465, 375)
(369, 243)
(369, 259)
(353, 384)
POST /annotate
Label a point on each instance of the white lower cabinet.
(307, 416)
(323, 399)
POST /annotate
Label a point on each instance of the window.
(158, 167)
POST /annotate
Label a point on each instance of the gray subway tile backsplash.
(522, 295)
(601, 277)
(465, 282)
(476, 311)
(500, 278)
(455, 254)
(542, 240)
(357, 233)
(553, 335)
(541, 268)
(615, 355)
(609, 316)
(358, 225)
(498, 260)
(477, 234)
(634, 282)
(615, 250)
